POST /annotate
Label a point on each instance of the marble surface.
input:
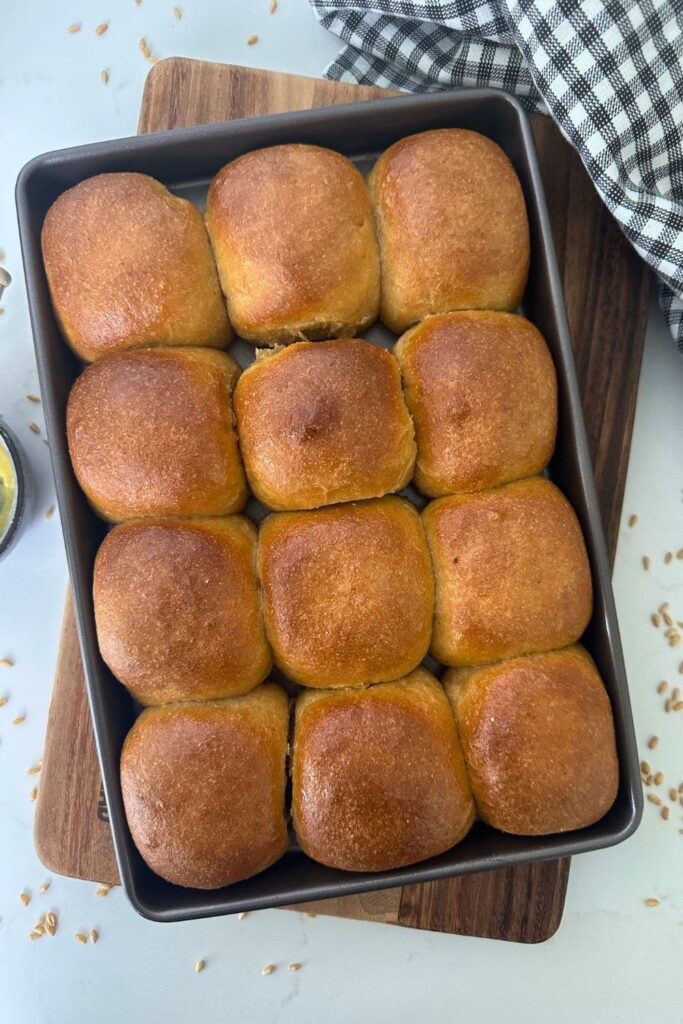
(613, 959)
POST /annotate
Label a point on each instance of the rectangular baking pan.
(185, 160)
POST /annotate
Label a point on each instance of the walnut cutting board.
(606, 289)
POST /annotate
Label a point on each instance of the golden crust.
(129, 266)
(348, 592)
(324, 422)
(452, 226)
(378, 778)
(178, 611)
(482, 391)
(292, 232)
(511, 571)
(538, 739)
(150, 433)
(204, 787)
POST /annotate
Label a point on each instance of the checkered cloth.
(609, 73)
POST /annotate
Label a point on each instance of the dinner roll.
(511, 571)
(292, 231)
(177, 608)
(348, 592)
(378, 779)
(150, 434)
(538, 739)
(204, 787)
(130, 265)
(324, 422)
(482, 391)
(452, 226)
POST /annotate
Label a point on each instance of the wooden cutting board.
(606, 289)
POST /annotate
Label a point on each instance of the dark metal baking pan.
(185, 161)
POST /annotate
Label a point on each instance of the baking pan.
(185, 160)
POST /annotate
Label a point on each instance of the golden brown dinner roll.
(130, 265)
(378, 779)
(292, 231)
(538, 739)
(452, 226)
(482, 391)
(177, 608)
(511, 571)
(348, 592)
(324, 422)
(204, 787)
(150, 433)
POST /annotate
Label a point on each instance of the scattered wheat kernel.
(648, 780)
(104, 76)
(667, 619)
(200, 965)
(241, 916)
(103, 890)
(144, 47)
(19, 719)
(33, 427)
(670, 632)
(33, 398)
(665, 813)
(44, 887)
(667, 557)
(651, 902)
(663, 686)
(3, 701)
(655, 619)
(668, 706)
(35, 934)
(51, 929)
(268, 969)
(49, 512)
(294, 967)
(25, 898)
(272, 7)
(645, 767)
(678, 705)
(2, 310)
(679, 553)
(664, 606)
(7, 662)
(102, 28)
(177, 13)
(51, 919)
(251, 41)
(652, 742)
(94, 935)
(659, 778)
(138, 2)
(76, 27)
(673, 795)
(33, 795)
(675, 693)
(80, 937)
(310, 913)
(646, 562)
(654, 799)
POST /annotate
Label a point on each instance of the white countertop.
(613, 959)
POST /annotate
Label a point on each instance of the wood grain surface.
(606, 288)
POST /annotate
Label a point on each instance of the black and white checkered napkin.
(610, 74)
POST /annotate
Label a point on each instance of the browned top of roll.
(130, 265)
(177, 608)
(482, 390)
(512, 573)
(150, 433)
(204, 787)
(324, 422)
(348, 592)
(292, 231)
(538, 738)
(378, 778)
(452, 226)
